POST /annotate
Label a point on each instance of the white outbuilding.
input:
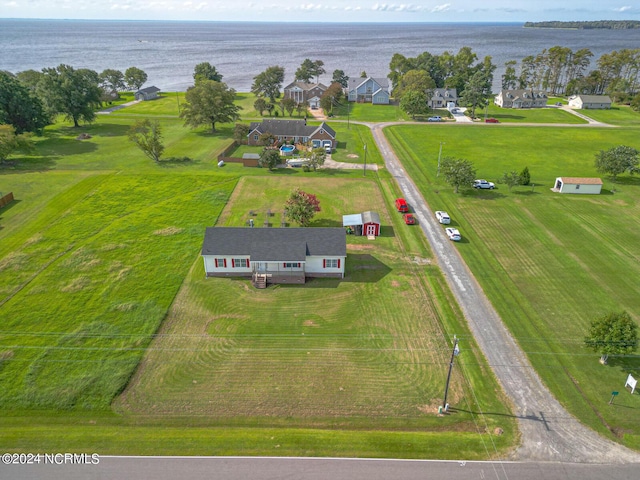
(580, 185)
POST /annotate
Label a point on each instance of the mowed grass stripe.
(108, 295)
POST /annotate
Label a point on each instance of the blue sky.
(325, 10)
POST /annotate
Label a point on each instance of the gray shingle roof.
(275, 244)
(153, 89)
(289, 128)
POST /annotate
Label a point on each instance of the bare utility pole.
(454, 353)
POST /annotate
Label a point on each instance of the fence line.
(7, 199)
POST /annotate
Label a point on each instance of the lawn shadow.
(326, 222)
(388, 230)
(482, 194)
(626, 364)
(529, 191)
(364, 268)
(27, 165)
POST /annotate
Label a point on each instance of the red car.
(492, 120)
(401, 205)
(409, 219)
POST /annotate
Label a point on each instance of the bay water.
(168, 51)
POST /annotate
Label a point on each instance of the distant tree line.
(588, 25)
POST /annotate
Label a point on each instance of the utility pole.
(364, 171)
(439, 155)
(445, 406)
(348, 108)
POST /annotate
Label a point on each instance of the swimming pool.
(287, 149)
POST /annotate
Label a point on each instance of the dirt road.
(549, 432)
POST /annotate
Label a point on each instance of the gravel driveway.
(549, 432)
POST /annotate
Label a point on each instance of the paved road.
(255, 468)
(549, 432)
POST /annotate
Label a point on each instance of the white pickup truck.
(443, 217)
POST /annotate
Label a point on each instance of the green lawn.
(617, 115)
(550, 263)
(529, 115)
(100, 252)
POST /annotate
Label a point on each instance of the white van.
(328, 147)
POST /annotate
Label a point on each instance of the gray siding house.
(274, 255)
(148, 93)
(368, 90)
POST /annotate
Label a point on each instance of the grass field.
(550, 263)
(99, 261)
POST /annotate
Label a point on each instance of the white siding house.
(591, 186)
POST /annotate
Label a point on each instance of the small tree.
(457, 172)
(301, 207)
(414, 103)
(612, 334)
(11, 142)
(510, 179)
(525, 177)
(240, 132)
(267, 139)
(269, 158)
(260, 105)
(316, 157)
(340, 77)
(617, 160)
(147, 136)
(206, 71)
(301, 107)
(289, 105)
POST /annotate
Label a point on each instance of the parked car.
(409, 219)
(492, 120)
(434, 119)
(453, 234)
(483, 184)
(455, 110)
(401, 205)
(443, 217)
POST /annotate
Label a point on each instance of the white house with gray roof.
(149, 93)
(274, 255)
(593, 102)
(521, 98)
(368, 90)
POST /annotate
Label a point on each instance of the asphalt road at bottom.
(260, 468)
(549, 432)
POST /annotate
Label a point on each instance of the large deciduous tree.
(268, 83)
(209, 102)
(457, 172)
(70, 92)
(617, 160)
(612, 334)
(10, 141)
(135, 78)
(331, 97)
(112, 80)
(147, 136)
(206, 71)
(301, 207)
(19, 106)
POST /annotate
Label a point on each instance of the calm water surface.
(168, 51)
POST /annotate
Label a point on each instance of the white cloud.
(441, 8)
(623, 9)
